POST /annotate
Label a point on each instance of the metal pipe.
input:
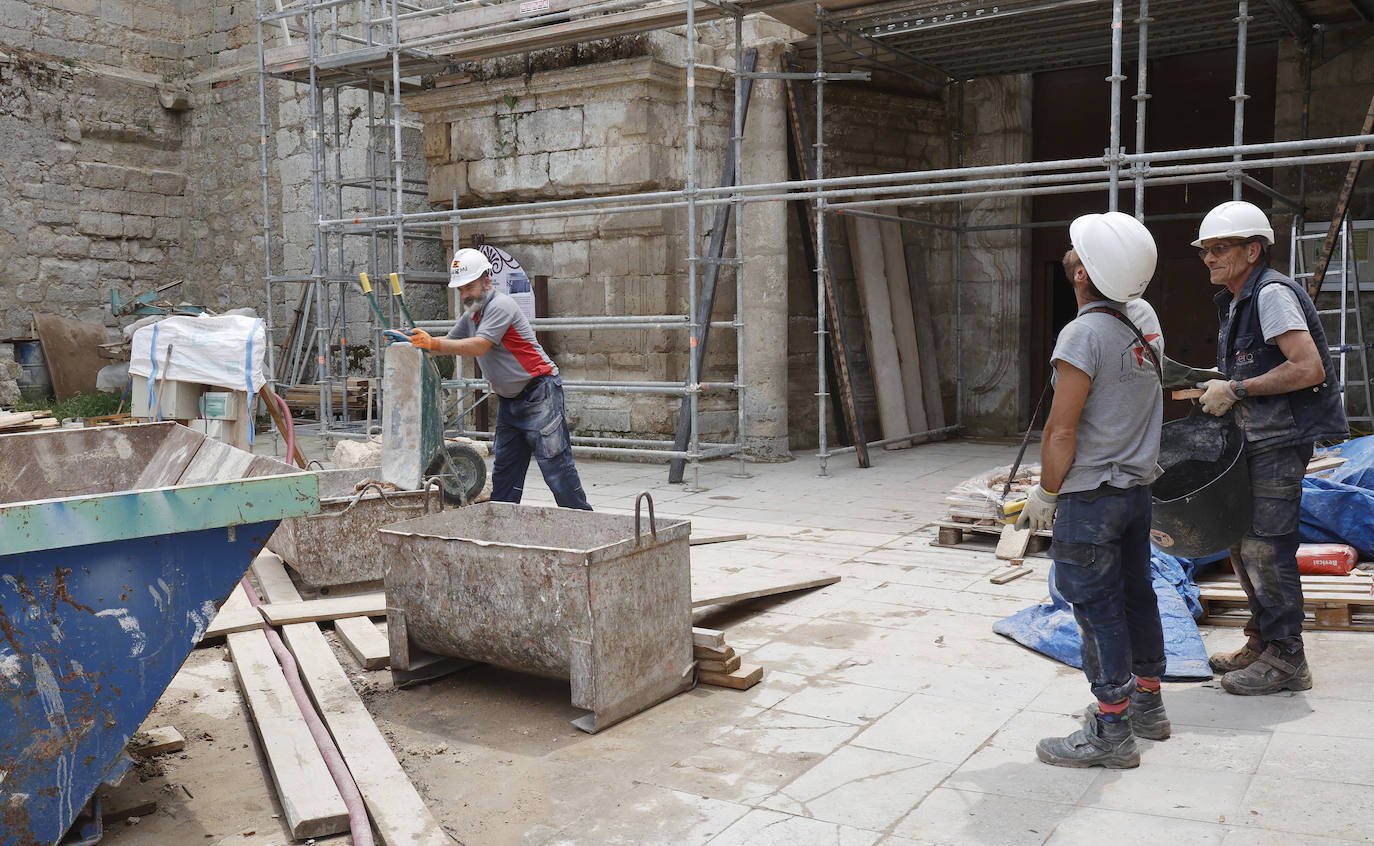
(1141, 97)
(1238, 129)
(689, 192)
(265, 175)
(895, 218)
(737, 135)
(1114, 148)
(929, 433)
(959, 271)
(823, 454)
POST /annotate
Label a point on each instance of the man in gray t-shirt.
(1098, 458)
(530, 418)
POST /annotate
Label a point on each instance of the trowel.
(1177, 375)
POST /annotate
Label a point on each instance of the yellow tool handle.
(1011, 510)
(367, 286)
(395, 284)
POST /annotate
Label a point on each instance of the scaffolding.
(380, 46)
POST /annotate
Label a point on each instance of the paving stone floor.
(889, 713)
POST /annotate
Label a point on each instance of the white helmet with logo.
(1235, 219)
(467, 266)
(1117, 251)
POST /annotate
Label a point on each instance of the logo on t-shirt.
(1141, 358)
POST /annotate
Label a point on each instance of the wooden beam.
(742, 679)
(319, 610)
(398, 813)
(366, 643)
(308, 796)
(723, 595)
(708, 638)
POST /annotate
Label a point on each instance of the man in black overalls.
(1286, 397)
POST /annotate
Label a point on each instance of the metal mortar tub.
(1202, 500)
(340, 545)
(117, 546)
(558, 592)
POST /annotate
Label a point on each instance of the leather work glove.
(415, 337)
(1038, 512)
(1217, 398)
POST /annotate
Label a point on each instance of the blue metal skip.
(104, 593)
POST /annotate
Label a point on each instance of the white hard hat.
(1235, 219)
(467, 266)
(1117, 251)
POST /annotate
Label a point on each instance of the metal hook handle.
(653, 524)
(433, 482)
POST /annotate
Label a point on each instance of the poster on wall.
(507, 277)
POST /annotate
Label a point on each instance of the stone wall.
(599, 129)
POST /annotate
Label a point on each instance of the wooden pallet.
(1339, 603)
(956, 533)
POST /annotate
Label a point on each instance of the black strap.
(1149, 350)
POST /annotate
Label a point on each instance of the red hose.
(359, 825)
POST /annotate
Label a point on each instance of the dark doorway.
(1190, 107)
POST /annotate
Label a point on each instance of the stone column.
(763, 278)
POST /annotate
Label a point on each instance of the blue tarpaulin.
(1337, 509)
(1052, 630)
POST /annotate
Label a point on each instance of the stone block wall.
(599, 129)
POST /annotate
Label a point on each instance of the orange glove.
(422, 339)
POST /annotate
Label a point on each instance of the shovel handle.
(1187, 393)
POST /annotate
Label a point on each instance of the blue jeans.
(1266, 558)
(1101, 553)
(534, 423)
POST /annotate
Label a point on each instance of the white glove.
(1038, 512)
(1218, 397)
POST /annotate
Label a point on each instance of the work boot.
(1274, 670)
(1226, 662)
(1098, 744)
(1148, 718)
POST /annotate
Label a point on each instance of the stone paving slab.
(891, 714)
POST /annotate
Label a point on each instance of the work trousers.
(1266, 558)
(534, 423)
(1101, 553)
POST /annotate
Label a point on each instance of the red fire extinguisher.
(1326, 559)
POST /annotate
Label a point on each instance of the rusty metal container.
(558, 592)
(340, 545)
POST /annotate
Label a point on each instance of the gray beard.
(479, 303)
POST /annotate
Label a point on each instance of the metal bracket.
(653, 524)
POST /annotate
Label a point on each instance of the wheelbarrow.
(116, 548)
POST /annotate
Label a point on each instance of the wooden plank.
(708, 638)
(722, 595)
(158, 741)
(398, 813)
(698, 540)
(72, 349)
(1187, 393)
(925, 337)
(713, 653)
(866, 254)
(318, 610)
(903, 319)
(1013, 542)
(729, 665)
(742, 679)
(365, 641)
(15, 418)
(237, 614)
(311, 802)
(1009, 574)
(1327, 462)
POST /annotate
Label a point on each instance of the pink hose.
(358, 823)
(290, 427)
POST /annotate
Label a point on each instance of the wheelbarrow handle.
(653, 524)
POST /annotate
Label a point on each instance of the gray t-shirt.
(1118, 431)
(515, 356)
(1279, 311)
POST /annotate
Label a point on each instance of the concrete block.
(609, 122)
(437, 141)
(166, 182)
(108, 248)
(444, 180)
(138, 226)
(498, 177)
(548, 130)
(102, 224)
(56, 215)
(71, 246)
(578, 171)
(571, 258)
(478, 137)
(599, 419)
(17, 13)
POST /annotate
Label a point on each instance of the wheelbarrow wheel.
(462, 473)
